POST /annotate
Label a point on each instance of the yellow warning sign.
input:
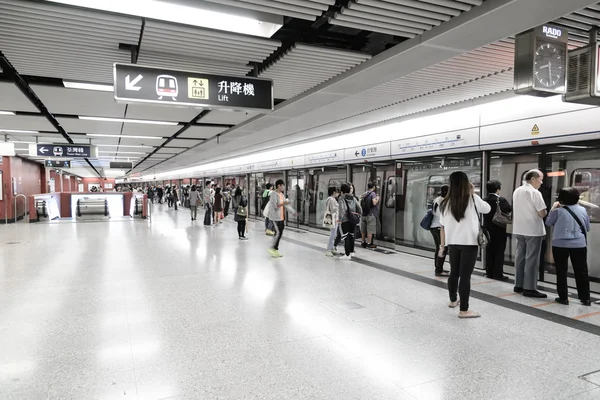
(198, 88)
(535, 130)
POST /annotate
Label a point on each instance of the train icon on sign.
(166, 86)
(57, 151)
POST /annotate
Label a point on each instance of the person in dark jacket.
(494, 258)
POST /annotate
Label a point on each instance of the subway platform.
(171, 309)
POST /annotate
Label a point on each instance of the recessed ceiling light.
(122, 152)
(88, 86)
(16, 131)
(132, 121)
(125, 136)
(7, 113)
(201, 14)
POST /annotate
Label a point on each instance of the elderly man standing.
(529, 210)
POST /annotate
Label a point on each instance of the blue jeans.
(332, 235)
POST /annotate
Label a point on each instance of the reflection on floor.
(175, 310)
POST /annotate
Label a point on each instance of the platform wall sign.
(140, 84)
(58, 164)
(63, 150)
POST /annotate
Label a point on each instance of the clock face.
(549, 65)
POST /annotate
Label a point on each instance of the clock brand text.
(554, 33)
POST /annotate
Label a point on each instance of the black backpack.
(243, 201)
(366, 203)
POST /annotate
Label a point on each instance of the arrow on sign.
(130, 85)
(43, 150)
(356, 154)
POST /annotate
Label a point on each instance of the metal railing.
(25, 203)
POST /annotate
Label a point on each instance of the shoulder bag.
(427, 220)
(328, 217)
(578, 222)
(501, 218)
(483, 236)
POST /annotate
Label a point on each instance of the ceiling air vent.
(582, 76)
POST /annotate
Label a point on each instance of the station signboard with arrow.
(70, 150)
(139, 84)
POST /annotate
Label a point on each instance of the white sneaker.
(345, 257)
(329, 253)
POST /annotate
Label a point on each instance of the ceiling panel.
(25, 122)
(303, 67)
(150, 130)
(60, 100)
(162, 113)
(303, 9)
(139, 142)
(51, 40)
(227, 117)
(166, 150)
(12, 99)
(201, 132)
(85, 126)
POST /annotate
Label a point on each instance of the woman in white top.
(438, 261)
(330, 218)
(460, 228)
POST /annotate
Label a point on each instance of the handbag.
(578, 222)
(328, 217)
(501, 218)
(483, 236)
(427, 220)
(241, 211)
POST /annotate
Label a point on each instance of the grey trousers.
(527, 261)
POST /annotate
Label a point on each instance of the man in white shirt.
(529, 210)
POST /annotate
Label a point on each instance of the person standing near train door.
(370, 209)
(435, 229)
(494, 252)
(529, 211)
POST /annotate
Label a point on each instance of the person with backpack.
(266, 198)
(208, 199)
(276, 213)
(194, 202)
(240, 212)
(370, 209)
(330, 219)
(436, 226)
(571, 224)
(349, 216)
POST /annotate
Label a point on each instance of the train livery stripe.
(574, 323)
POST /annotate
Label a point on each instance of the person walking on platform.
(266, 198)
(569, 240)
(218, 206)
(208, 204)
(227, 198)
(494, 252)
(276, 214)
(169, 197)
(240, 212)
(349, 217)
(194, 202)
(460, 222)
(330, 219)
(438, 258)
(529, 211)
(370, 209)
(175, 196)
(160, 193)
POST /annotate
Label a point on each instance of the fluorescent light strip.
(122, 152)
(123, 145)
(132, 121)
(204, 17)
(7, 113)
(571, 146)
(88, 86)
(126, 136)
(16, 131)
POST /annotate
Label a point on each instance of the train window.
(587, 181)
(161, 82)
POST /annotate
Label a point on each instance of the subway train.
(408, 187)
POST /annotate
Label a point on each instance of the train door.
(324, 179)
(385, 182)
(295, 188)
(259, 187)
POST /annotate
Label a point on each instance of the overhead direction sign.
(139, 84)
(121, 165)
(58, 164)
(70, 150)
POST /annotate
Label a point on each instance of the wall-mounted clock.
(541, 61)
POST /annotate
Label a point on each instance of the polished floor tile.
(171, 309)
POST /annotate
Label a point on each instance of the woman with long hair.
(460, 229)
(241, 211)
(218, 206)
